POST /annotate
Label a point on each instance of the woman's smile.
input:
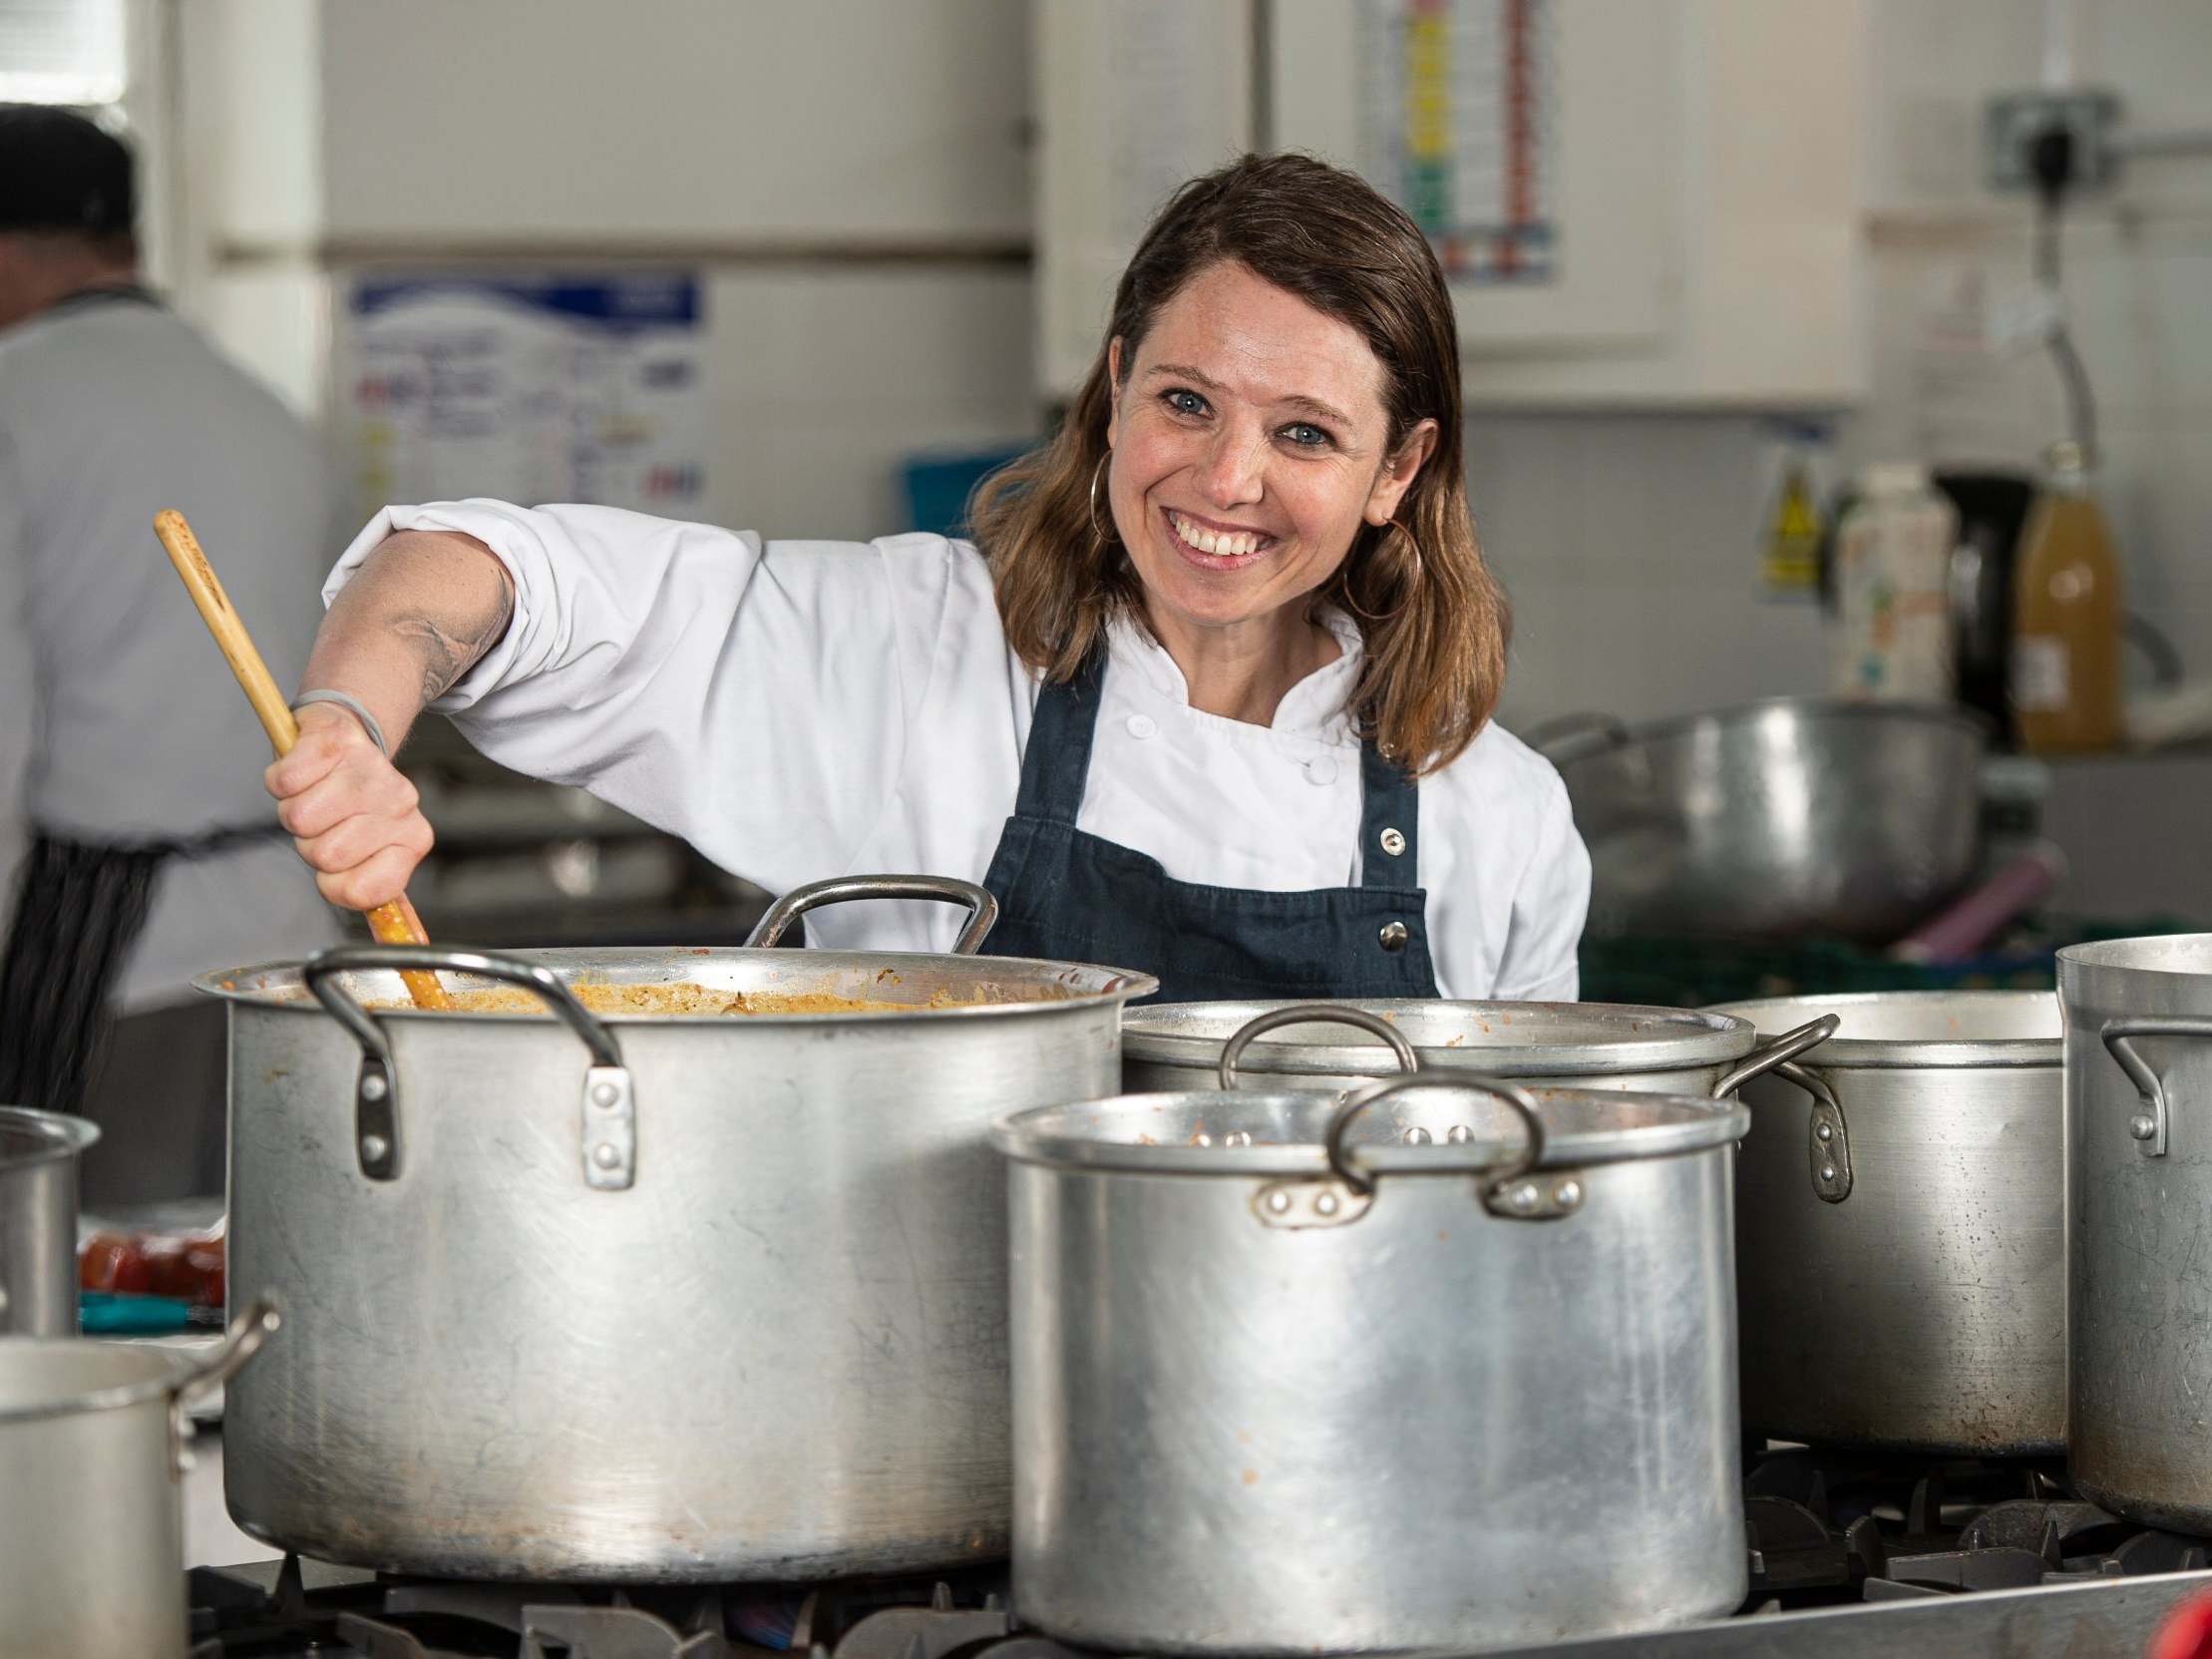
(1213, 546)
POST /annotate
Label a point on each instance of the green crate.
(1695, 972)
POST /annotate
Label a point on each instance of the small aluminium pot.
(38, 1155)
(1913, 1299)
(684, 1298)
(1282, 1361)
(1661, 1051)
(92, 1444)
(2139, 1016)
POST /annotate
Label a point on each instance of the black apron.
(1072, 897)
(79, 907)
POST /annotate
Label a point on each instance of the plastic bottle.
(1892, 636)
(2067, 618)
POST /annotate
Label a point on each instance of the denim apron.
(1072, 897)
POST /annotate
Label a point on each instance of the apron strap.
(1057, 762)
(1389, 823)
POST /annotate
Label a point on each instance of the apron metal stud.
(1393, 936)
(1394, 842)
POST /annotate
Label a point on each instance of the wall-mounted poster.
(529, 386)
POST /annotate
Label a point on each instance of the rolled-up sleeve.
(754, 699)
(1549, 907)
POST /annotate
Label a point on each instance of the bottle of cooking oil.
(2067, 618)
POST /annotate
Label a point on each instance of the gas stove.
(1851, 1557)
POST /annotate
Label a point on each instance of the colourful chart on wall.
(1459, 112)
(526, 386)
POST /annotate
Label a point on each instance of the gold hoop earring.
(1391, 616)
(1097, 530)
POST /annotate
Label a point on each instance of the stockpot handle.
(2150, 1125)
(610, 1103)
(1759, 1061)
(240, 1344)
(1300, 1014)
(1503, 1191)
(983, 909)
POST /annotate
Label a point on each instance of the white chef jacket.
(805, 710)
(119, 719)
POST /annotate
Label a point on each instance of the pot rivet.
(1569, 1194)
(1236, 1137)
(1202, 1138)
(373, 1087)
(1459, 1134)
(1827, 1171)
(1326, 1204)
(374, 1148)
(607, 1155)
(606, 1095)
(1523, 1197)
(1277, 1202)
(1825, 1132)
(2142, 1127)
(1419, 1136)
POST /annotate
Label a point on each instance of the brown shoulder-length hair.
(1431, 615)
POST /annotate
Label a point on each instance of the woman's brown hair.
(1430, 613)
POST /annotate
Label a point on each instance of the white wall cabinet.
(1644, 203)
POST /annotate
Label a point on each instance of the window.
(60, 52)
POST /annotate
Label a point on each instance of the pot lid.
(1897, 1029)
(846, 984)
(1517, 1039)
(1469, 1131)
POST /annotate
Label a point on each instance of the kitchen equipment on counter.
(2068, 618)
(394, 922)
(1991, 507)
(1913, 1299)
(1968, 922)
(2138, 1019)
(1283, 1366)
(1170, 1045)
(1775, 819)
(93, 1438)
(39, 1153)
(654, 1298)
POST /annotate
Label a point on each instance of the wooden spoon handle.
(391, 924)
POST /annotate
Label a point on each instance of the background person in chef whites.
(145, 854)
(1212, 700)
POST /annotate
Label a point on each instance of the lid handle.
(1300, 1014)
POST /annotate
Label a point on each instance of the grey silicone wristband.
(352, 706)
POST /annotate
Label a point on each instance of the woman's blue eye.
(1305, 435)
(1186, 402)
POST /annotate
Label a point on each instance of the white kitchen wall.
(1629, 543)
(851, 177)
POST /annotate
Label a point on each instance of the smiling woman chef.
(1228, 653)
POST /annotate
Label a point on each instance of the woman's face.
(1250, 444)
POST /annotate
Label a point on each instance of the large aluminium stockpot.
(1182, 1045)
(2139, 1016)
(619, 1298)
(1282, 1365)
(1900, 1260)
(93, 1437)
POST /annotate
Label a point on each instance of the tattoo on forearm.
(446, 656)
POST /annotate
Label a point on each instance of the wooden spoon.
(392, 924)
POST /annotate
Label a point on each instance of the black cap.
(59, 171)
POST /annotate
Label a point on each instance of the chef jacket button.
(1321, 769)
(1393, 936)
(1394, 842)
(1143, 726)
